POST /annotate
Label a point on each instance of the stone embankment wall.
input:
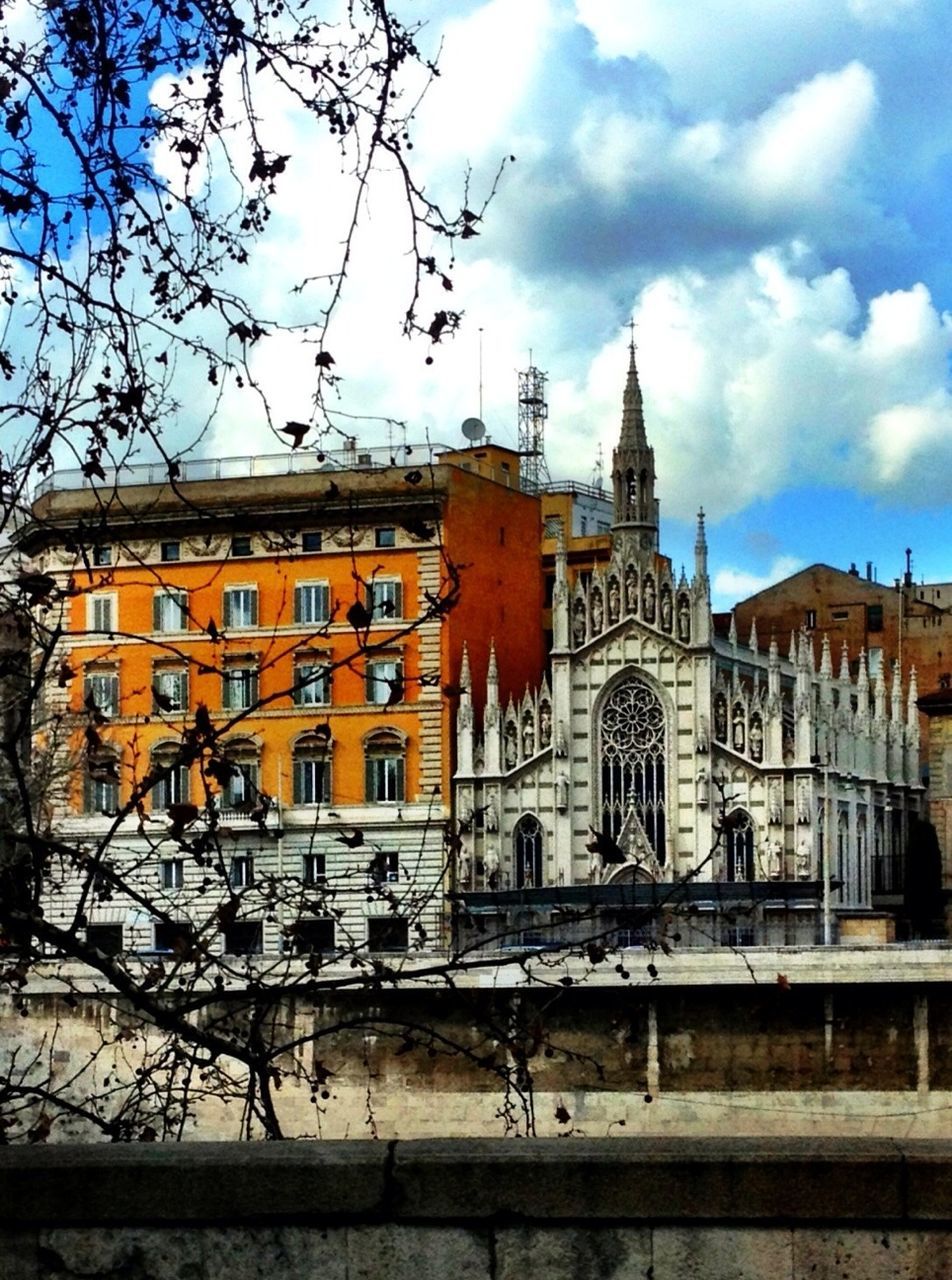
(853, 1042)
(565, 1209)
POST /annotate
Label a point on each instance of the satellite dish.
(473, 429)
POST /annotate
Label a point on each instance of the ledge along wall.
(724, 1209)
(853, 1043)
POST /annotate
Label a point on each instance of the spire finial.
(633, 416)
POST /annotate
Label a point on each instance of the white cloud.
(914, 440)
(772, 375)
(806, 141)
(794, 168)
(882, 13)
(489, 60)
(731, 584)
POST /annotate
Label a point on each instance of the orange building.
(278, 642)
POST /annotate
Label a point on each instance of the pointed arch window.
(527, 850)
(843, 856)
(633, 763)
(739, 845)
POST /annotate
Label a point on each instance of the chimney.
(869, 571)
(854, 572)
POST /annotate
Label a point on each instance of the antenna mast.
(599, 469)
(533, 412)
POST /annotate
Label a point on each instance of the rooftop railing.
(240, 468)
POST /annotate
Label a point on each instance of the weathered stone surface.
(128, 1252)
(18, 1255)
(268, 1253)
(928, 1170)
(573, 1253)
(855, 1254)
(658, 1179)
(722, 1253)
(394, 1252)
(209, 1181)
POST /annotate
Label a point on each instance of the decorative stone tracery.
(633, 762)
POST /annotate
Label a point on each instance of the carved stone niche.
(803, 793)
(775, 801)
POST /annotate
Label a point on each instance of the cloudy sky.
(762, 185)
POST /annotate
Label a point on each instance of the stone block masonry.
(664, 1209)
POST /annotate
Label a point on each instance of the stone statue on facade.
(738, 737)
(545, 725)
(578, 622)
(597, 612)
(684, 620)
(666, 610)
(631, 589)
(649, 600)
(614, 600)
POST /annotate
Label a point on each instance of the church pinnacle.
(633, 473)
(633, 413)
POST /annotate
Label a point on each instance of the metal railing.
(248, 466)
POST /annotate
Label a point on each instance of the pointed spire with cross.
(633, 470)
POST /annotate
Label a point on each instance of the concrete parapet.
(473, 1181)
(491, 1209)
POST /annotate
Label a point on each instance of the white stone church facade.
(665, 773)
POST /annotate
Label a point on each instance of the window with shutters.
(311, 603)
(385, 681)
(101, 787)
(311, 684)
(171, 780)
(312, 773)
(101, 612)
(169, 689)
(242, 872)
(101, 690)
(240, 791)
(239, 685)
(172, 873)
(240, 607)
(385, 599)
(385, 768)
(314, 868)
(170, 609)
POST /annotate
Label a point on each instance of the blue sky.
(763, 185)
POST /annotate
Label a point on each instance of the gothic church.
(667, 777)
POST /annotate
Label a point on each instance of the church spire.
(633, 473)
(632, 413)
